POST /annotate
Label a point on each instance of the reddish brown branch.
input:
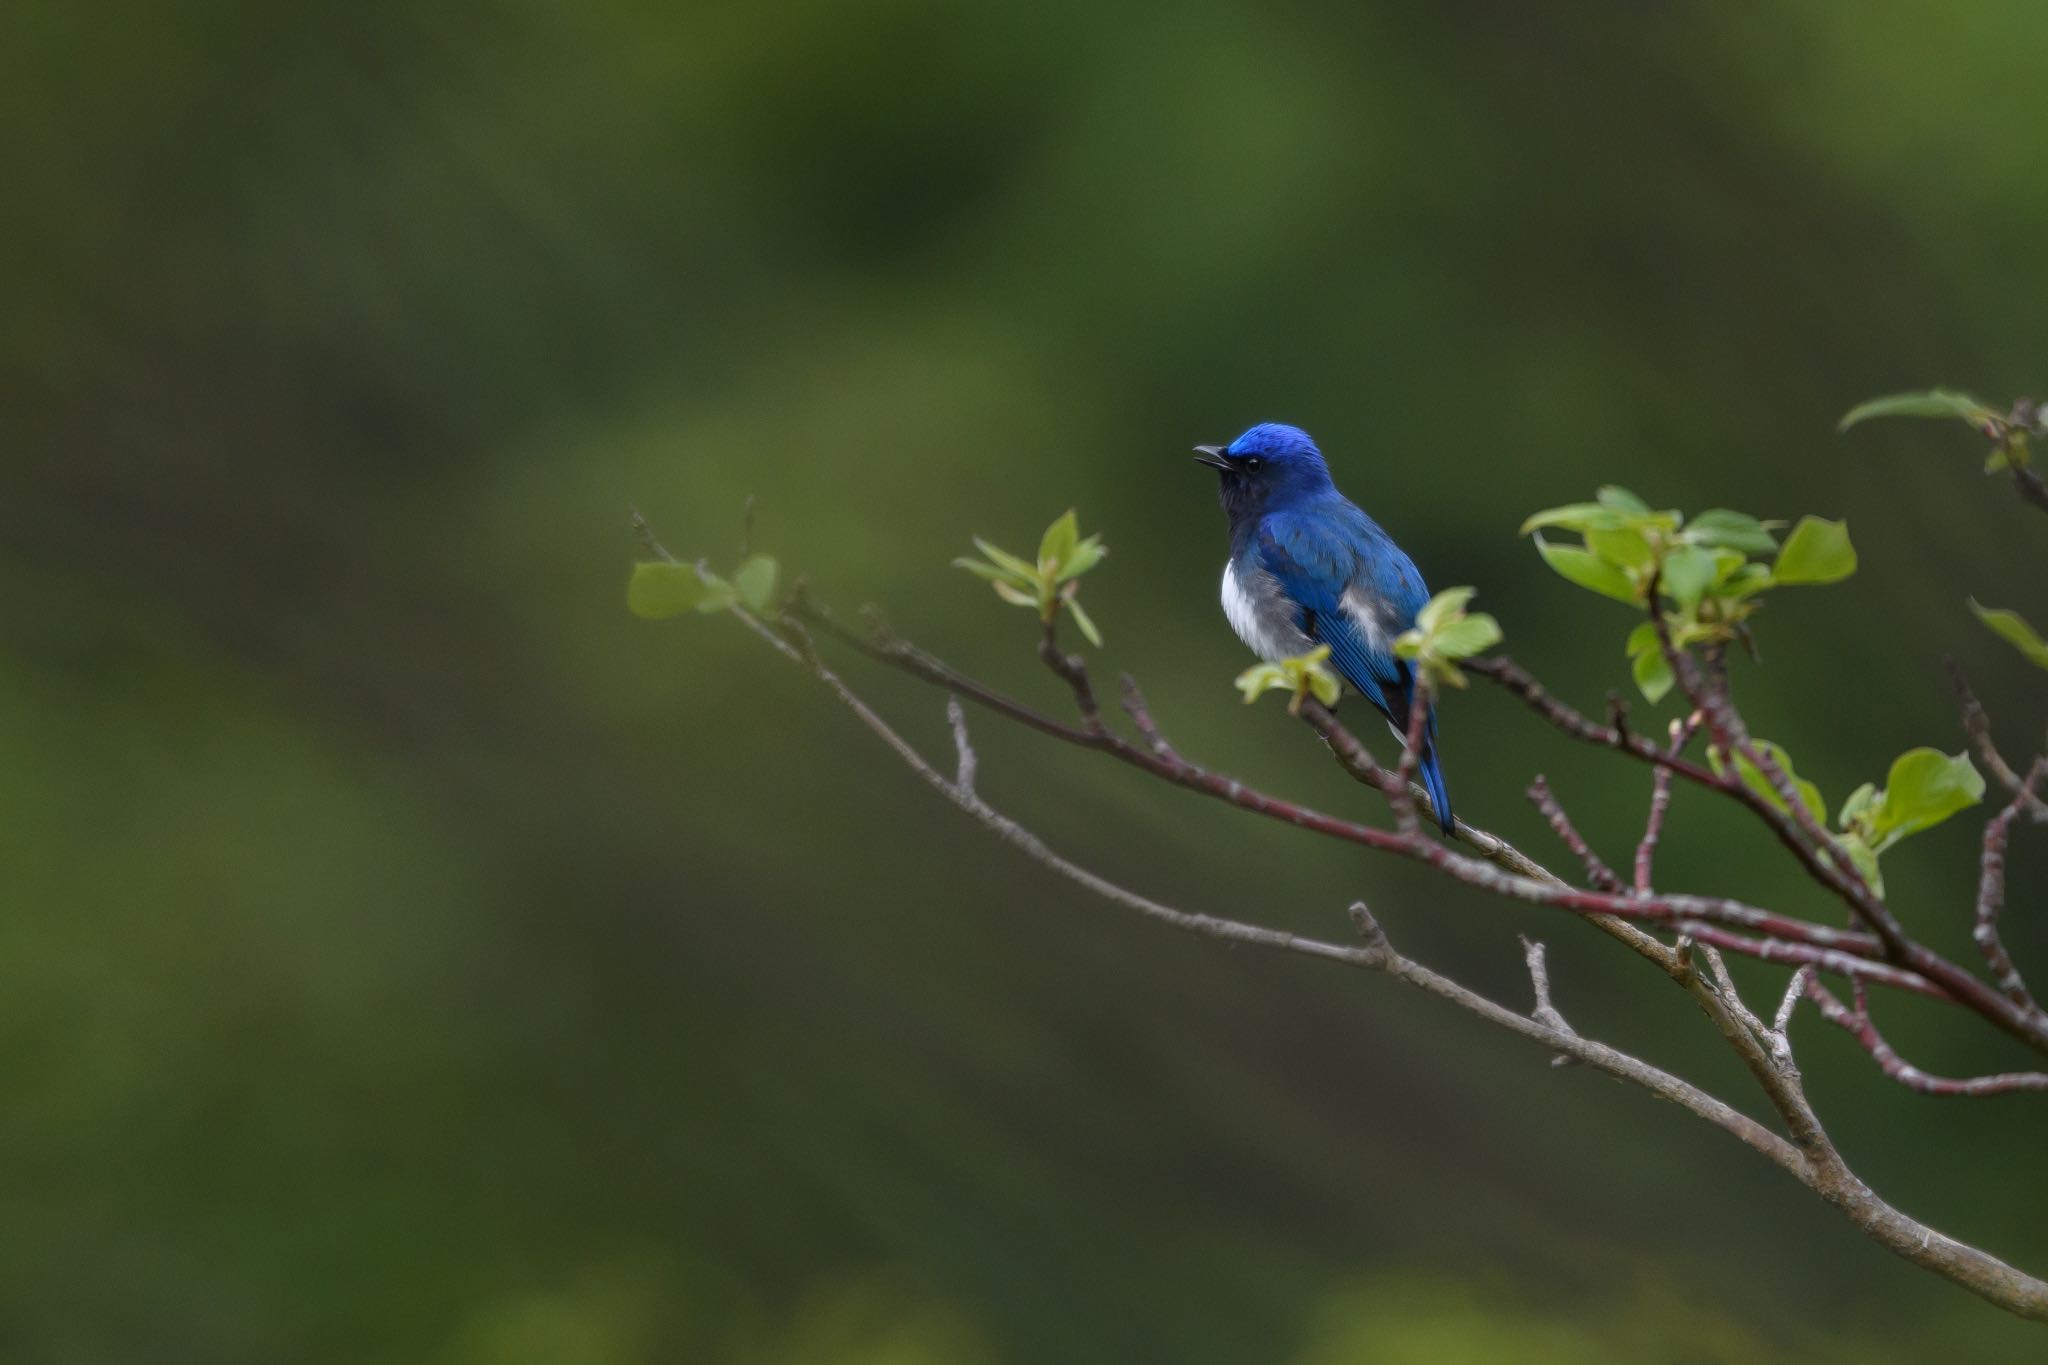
(1991, 893)
(1660, 803)
(1071, 669)
(1598, 875)
(1977, 725)
(1400, 792)
(1727, 729)
(1141, 717)
(1837, 961)
(1857, 1024)
(1519, 682)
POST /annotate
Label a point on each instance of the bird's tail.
(1432, 773)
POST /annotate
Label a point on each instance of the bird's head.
(1269, 466)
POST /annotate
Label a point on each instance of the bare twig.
(1991, 893)
(1141, 717)
(1598, 875)
(2029, 486)
(1726, 983)
(963, 778)
(1794, 988)
(1858, 1025)
(1399, 790)
(1539, 982)
(1660, 803)
(1072, 669)
(645, 534)
(1977, 725)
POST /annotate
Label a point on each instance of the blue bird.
(1307, 567)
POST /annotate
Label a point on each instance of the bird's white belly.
(1247, 620)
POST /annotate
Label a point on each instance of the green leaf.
(1024, 569)
(983, 570)
(755, 582)
(1817, 551)
(1747, 581)
(1259, 679)
(1302, 675)
(1688, 572)
(1059, 541)
(1856, 804)
(1720, 528)
(1588, 570)
(659, 589)
(1014, 595)
(1622, 501)
(1463, 638)
(1924, 788)
(1625, 547)
(1446, 606)
(1082, 619)
(1577, 516)
(1931, 403)
(1652, 673)
(2013, 628)
(1864, 858)
(1084, 557)
(1753, 777)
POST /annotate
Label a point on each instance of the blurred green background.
(409, 956)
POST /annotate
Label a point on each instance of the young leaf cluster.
(1708, 571)
(1924, 787)
(1302, 676)
(662, 588)
(1052, 584)
(1444, 633)
(2008, 431)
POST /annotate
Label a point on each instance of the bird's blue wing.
(1319, 558)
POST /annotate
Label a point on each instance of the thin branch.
(645, 534)
(1141, 717)
(1539, 983)
(963, 778)
(1399, 790)
(1858, 1025)
(1991, 893)
(1520, 683)
(1072, 669)
(1795, 954)
(1794, 988)
(1660, 803)
(1598, 875)
(1726, 983)
(2030, 486)
(1977, 725)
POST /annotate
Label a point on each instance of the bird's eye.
(1252, 463)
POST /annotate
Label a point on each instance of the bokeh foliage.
(411, 956)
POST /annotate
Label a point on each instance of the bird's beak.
(1211, 456)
